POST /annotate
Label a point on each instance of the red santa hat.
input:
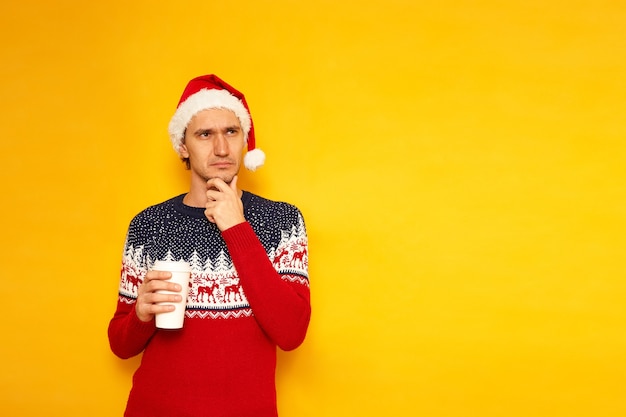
(210, 92)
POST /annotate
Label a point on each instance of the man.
(249, 288)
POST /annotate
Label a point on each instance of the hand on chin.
(225, 176)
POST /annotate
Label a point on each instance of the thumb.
(233, 184)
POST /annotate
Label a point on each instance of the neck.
(194, 199)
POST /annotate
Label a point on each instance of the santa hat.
(210, 92)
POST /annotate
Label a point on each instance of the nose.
(220, 147)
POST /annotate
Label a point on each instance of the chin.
(227, 177)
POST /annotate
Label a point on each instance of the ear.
(182, 150)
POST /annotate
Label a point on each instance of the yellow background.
(460, 165)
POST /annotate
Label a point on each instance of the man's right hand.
(147, 297)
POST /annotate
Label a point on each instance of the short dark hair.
(185, 160)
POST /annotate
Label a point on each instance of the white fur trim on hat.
(203, 100)
(254, 159)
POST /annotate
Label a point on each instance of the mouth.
(221, 164)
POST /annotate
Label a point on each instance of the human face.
(214, 144)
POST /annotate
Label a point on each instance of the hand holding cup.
(163, 294)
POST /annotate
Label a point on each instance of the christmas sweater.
(248, 293)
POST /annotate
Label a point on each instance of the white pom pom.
(254, 159)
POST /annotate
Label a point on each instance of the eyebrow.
(211, 129)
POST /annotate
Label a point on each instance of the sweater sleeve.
(281, 305)
(128, 336)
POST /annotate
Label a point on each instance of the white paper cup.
(181, 272)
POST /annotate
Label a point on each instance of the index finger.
(217, 184)
(154, 274)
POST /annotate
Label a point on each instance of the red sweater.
(222, 363)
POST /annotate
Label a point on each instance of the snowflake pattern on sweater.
(174, 231)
